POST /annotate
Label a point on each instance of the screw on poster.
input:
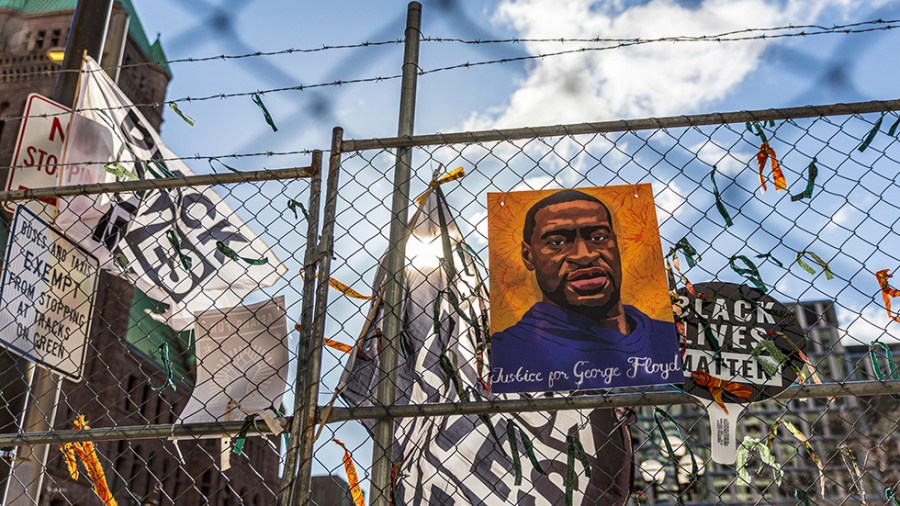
(579, 298)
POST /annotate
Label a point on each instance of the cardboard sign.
(37, 152)
(46, 295)
(741, 345)
(579, 298)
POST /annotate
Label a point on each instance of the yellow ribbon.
(352, 478)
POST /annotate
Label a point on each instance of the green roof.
(135, 28)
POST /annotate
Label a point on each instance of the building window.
(55, 37)
(39, 40)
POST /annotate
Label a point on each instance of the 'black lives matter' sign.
(736, 319)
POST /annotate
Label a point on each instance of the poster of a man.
(581, 301)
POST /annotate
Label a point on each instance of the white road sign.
(46, 295)
(38, 150)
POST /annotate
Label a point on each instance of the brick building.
(123, 363)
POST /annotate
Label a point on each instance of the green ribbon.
(751, 126)
(890, 494)
(186, 261)
(850, 461)
(574, 450)
(223, 164)
(808, 268)
(293, 205)
(230, 253)
(163, 173)
(768, 256)
(871, 135)
(768, 345)
(765, 455)
(529, 448)
(894, 127)
(811, 172)
(876, 364)
(451, 369)
(751, 272)
(262, 107)
(187, 119)
(119, 170)
(164, 354)
(659, 416)
(719, 204)
(514, 449)
(238, 445)
(689, 251)
(801, 496)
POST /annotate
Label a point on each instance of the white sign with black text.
(46, 295)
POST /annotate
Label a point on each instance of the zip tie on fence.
(871, 135)
(658, 417)
(746, 448)
(352, 478)
(344, 289)
(119, 170)
(185, 260)
(887, 292)
(719, 204)
(230, 253)
(453, 175)
(719, 386)
(811, 172)
(574, 450)
(86, 451)
(764, 154)
(794, 431)
(768, 256)
(167, 363)
(187, 119)
(751, 272)
(850, 461)
(257, 99)
(293, 205)
(817, 259)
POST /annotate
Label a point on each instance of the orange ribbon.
(766, 151)
(717, 386)
(887, 291)
(352, 477)
(88, 455)
(344, 289)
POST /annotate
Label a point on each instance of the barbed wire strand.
(513, 59)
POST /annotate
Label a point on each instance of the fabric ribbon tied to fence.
(717, 387)
(746, 448)
(887, 292)
(794, 431)
(352, 477)
(86, 452)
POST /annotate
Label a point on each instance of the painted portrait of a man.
(579, 333)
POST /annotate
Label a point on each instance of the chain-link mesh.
(443, 456)
(140, 379)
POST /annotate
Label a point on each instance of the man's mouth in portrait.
(588, 280)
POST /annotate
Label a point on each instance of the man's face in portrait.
(574, 254)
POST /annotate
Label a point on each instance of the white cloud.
(668, 200)
(863, 327)
(655, 79)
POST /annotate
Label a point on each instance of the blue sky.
(650, 80)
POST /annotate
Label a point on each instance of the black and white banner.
(163, 241)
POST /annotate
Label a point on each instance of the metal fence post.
(396, 264)
(306, 316)
(308, 418)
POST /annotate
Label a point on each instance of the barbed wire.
(513, 59)
(621, 42)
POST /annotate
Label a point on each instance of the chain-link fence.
(424, 389)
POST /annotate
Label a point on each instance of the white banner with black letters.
(163, 241)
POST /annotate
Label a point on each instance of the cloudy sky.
(603, 82)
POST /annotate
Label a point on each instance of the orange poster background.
(513, 287)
